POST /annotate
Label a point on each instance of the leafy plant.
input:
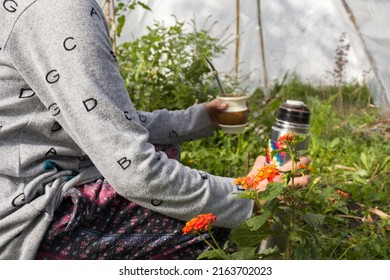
(122, 8)
(167, 67)
(281, 214)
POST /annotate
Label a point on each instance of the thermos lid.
(294, 111)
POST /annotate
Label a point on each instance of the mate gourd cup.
(235, 117)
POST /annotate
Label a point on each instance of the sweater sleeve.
(62, 50)
(166, 127)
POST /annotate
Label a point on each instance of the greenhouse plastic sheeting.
(367, 23)
(300, 38)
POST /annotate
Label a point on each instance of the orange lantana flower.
(302, 166)
(287, 137)
(268, 172)
(200, 223)
(247, 182)
(284, 139)
(306, 169)
(342, 194)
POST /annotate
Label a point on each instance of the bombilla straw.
(215, 73)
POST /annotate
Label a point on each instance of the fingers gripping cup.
(235, 117)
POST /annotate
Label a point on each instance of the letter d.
(90, 104)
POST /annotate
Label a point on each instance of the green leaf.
(272, 191)
(270, 251)
(385, 161)
(245, 253)
(143, 5)
(343, 209)
(299, 138)
(274, 152)
(248, 194)
(334, 142)
(363, 159)
(360, 173)
(301, 153)
(314, 220)
(245, 237)
(272, 205)
(217, 254)
(258, 221)
(121, 22)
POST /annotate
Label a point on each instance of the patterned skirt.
(94, 222)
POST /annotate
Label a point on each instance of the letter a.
(93, 12)
(52, 151)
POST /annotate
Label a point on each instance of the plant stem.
(212, 237)
(210, 245)
(345, 252)
(205, 241)
(237, 59)
(113, 28)
(262, 55)
(276, 221)
(248, 157)
(258, 201)
(292, 152)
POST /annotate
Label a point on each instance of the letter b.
(124, 163)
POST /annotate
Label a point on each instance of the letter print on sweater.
(10, 6)
(26, 93)
(69, 45)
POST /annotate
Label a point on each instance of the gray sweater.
(66, 119)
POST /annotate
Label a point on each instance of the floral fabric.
(95, 222)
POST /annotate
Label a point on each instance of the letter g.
(10, 6)
(52, 77)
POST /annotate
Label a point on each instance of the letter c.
(69, 48)
(19, 200)
(127, 115)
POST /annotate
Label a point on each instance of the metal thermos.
(293, 116)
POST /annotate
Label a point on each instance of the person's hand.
(213, 107)
(298, 181)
